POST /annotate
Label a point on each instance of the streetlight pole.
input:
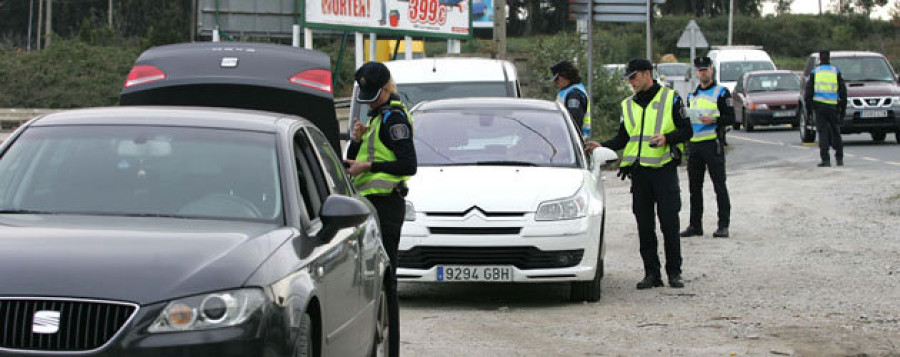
(109, 13)
(48, 23)
(730, 20)
(30, 13)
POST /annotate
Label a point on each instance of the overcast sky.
(812, 7)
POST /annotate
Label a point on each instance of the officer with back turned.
(705, 150)
(653, 130)
(573, 95)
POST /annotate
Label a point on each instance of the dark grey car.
(166, 231)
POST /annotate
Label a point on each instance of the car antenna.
(434, 65)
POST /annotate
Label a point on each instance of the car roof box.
(270, 77)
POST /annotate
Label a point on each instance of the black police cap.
(637, 64)
(560, 67)
(371, 77)
(702, 62)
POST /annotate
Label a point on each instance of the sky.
(812, 7)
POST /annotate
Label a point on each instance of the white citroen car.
(504, 193)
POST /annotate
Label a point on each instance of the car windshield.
(773, 82)
(142, 171)
(493, 137)
(413, 93)
(864, 69)
(672, 69)
(731, 71)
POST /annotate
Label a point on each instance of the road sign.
(619, 18)
(692, 30)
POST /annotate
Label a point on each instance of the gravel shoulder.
(812, 269)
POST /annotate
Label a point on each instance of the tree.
(710, 7)
(783, 6)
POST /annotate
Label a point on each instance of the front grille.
(475, 230)
(83, 325)
(425, 257)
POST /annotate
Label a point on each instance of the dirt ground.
(812, 269)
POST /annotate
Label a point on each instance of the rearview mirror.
(340, 212)
(602, 156)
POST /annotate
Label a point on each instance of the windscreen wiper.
(505, 163)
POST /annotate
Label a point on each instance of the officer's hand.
(660, 140)
(359, 129)
(357, 167)
(591, 145)
(707, 120)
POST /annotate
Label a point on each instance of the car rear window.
(530, 138)
(143, 171)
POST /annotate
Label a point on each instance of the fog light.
(563, 260)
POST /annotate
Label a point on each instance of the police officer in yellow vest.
(573, 95)
(706, 147)
(826, 93)
(653, 130)
(384, 159)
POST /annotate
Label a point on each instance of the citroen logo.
(45, 322)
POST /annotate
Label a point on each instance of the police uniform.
(705, 150)
(388, 145)
(654, 178)
(827, 94)
(574, 98)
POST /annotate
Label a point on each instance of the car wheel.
(748, 123)
(879, 136)
(305, 347)
(381, 346)
(806, 135)
(897, 137)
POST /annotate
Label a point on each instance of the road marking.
(869, 158)
(759, 141)
(893, 163)
(809, 144)
(849, 155)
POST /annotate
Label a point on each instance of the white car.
(504, 193)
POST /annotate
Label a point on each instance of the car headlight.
(410, 214)
(566, 208)
(208, 311)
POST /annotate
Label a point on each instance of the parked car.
(730, 62)
(451, 77)
(873, 95)
(766, 98)
(480, 208)
(184, 231)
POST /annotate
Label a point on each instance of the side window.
(309, 176)
(739, 87)
(332, 164)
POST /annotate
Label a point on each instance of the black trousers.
(655, 192)
(703, 155)
(391, 210)
(828, 124)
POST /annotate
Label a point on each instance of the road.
(811, 269)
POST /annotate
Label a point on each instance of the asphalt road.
(781, 146)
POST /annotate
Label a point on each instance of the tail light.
(142, 74)
(314, 78)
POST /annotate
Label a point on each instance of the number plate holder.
(873, 114)
(474, 273)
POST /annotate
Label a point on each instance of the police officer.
(572, 95)
(826, 93)
(705, 150)
(654, 127)
(384, 159)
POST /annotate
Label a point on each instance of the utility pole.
(649, 34)
(30, 13)
(39, 23)
(500, 28)
(730, 20)
(109, 14)
(48, 23)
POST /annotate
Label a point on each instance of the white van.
(730, 62)
(446, 77)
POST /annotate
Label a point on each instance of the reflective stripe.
(660, 109)
(378, 184)
(628, 104)
(825, 84)
(637, 138)
(704, 133)
(649, 160)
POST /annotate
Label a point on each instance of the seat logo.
(45, 322)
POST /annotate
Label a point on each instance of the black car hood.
(141, 260)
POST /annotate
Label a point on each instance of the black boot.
(722, 232)
(676, 281)
(649, 282)
(691, 231)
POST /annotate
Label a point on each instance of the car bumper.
(857, 121)
(546, 241)
(772, 117)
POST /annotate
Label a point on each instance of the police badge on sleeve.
(399, 132)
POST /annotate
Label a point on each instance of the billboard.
(483, 13)
(429, 18)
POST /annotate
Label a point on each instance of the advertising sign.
(483, 13)
(430, 18)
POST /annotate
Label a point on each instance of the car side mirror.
(340, 212)
(602, 156)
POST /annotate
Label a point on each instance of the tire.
(591, 290)
(381, 346)
(748, 123)
(897, 137)
(806, 135)
(305, 346)
(736, 125)
(878, 136)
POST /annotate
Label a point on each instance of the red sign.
(430, 12)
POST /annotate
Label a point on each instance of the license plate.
(873, 114)
(474, 273)
(784, 113)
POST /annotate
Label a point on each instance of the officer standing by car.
(654, 127)
(826, 94)
(385, 158)
(573, 95)
(706, 149)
